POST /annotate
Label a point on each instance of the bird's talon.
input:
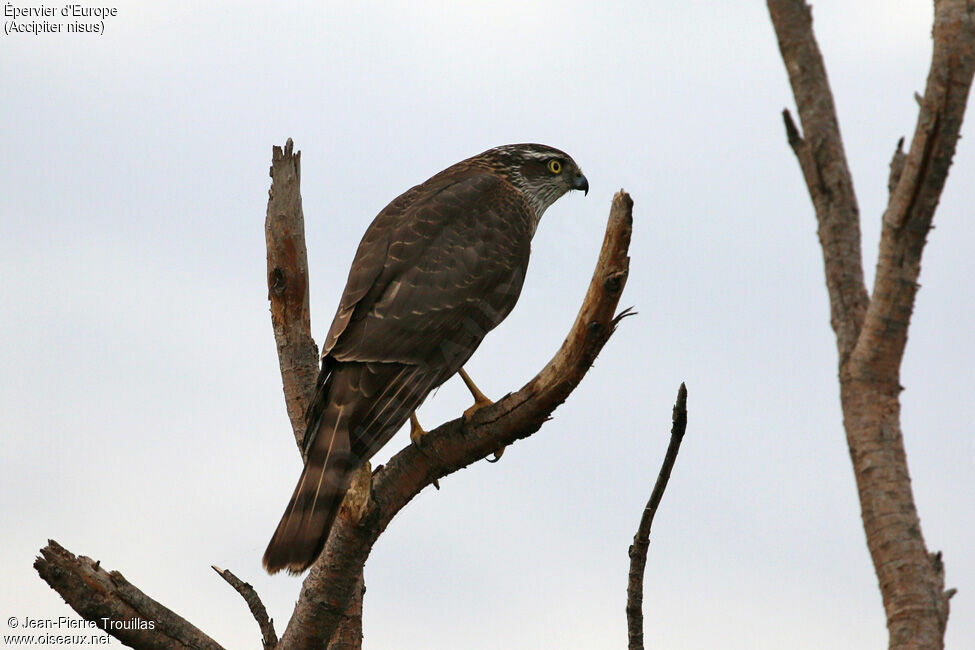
(477, 406)
(497, 455)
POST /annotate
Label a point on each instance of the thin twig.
(268, 636)
(641, 541)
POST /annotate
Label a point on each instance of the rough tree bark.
(871, 333)
(328, 611)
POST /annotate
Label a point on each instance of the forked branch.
(871, 333)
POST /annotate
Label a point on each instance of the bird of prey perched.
(436, 270)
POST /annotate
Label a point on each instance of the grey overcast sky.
(140, 402)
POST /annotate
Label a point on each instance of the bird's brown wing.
(437, 269)
(455, 264)
(455, 246)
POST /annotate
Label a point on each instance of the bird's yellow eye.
(555, 166)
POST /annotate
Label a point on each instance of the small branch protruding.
(626, 313)
(268, 637)
(896, 166)
(641, 541)
(360, 492)
(791, 130)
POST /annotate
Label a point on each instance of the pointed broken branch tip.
(268, 637)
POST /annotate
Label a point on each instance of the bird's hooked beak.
(580, 183)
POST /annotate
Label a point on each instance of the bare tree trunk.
(348, 633)
(871, 333)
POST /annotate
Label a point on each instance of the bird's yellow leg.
(416, 431)
(480, 399)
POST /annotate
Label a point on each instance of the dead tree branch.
(871, 333)
(287, 286)
(287, 283)
(641, 541)
(823, 161)
(332, 581)
(115, 605)
(269, 638)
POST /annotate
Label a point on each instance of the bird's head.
(541, 172)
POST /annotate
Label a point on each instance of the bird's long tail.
(356, 409)
(301, 534)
